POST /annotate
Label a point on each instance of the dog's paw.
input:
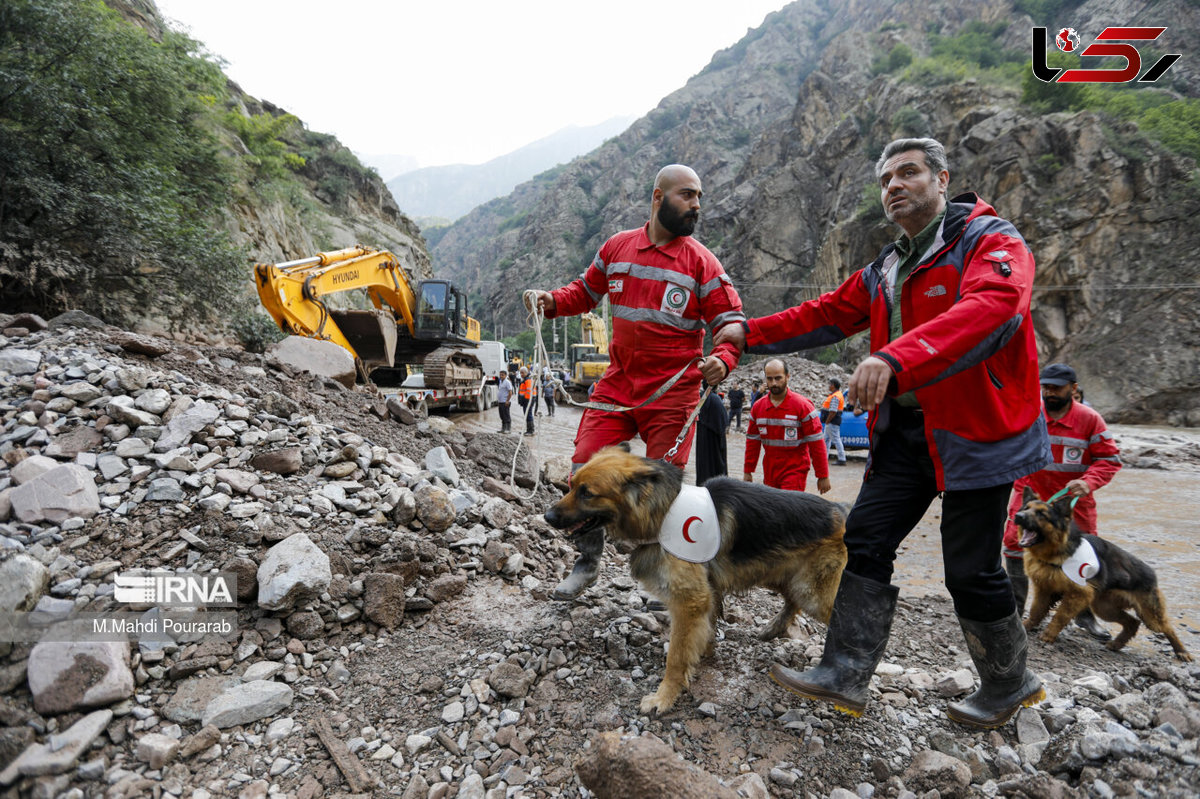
(1028, 624)
(1048, 637)
(658, 702)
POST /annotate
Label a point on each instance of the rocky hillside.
(393, 634)
(334, 202)
(140, 184)
(784, 128)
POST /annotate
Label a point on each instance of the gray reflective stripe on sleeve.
(817, 437)
(658, 317)
(815, 414)
(1103, 435)
(774, 442)
(1113, 458)
(712, 285)
(779, 422)
(596, 297)
(752, 438)
(1066, 467)
(729, 317)
(1068, 442)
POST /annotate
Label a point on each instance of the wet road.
(1154, 514)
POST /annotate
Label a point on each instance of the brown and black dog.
(787, 541)
(1122, 583)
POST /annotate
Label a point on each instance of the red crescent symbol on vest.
(686, 524)
(1082, 566)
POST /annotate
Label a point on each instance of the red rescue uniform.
(792, 435)
(661, 299)
(1083, 450)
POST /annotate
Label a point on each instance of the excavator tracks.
(449, 369)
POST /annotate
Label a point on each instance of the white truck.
(493, 355)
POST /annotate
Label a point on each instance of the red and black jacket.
(967, 348)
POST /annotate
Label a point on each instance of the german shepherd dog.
(786, 541)
(1122, 583)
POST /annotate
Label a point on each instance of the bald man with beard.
(664, 288)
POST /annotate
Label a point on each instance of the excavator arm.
(421, 327)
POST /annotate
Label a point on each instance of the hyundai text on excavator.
(428, 328)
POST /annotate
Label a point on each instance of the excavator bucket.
(372, 333)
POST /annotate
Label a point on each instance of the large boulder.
(57, 495)
(493, 452)
(246, 703)
(293, 571)
(68, 676)
(619, 767)
(20, 362)
(321, 358)
(182, 425)
(23, 581)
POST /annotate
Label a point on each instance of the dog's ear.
(1028, 496)
(645, 476)
(1062, 507)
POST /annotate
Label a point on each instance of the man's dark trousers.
(899, 489)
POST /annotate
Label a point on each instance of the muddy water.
(1154, 514)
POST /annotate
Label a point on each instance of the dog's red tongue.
(1028, 538)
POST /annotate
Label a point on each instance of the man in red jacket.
(786, 425)
(953, 388)
(664, 287)
(1085, 459)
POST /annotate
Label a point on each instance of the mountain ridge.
(451, 190)
(784, 128)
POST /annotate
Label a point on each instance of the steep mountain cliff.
(784, 128)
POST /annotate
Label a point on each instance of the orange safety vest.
(527, 388)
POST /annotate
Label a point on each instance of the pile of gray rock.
(393, 631)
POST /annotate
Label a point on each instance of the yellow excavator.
(590, 357)
(428, 327)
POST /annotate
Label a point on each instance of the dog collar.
(690, 531)
(1082, 564)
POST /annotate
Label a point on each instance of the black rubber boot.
(1020, 583)
(858, 633)
(1005, 685)
(587, 567)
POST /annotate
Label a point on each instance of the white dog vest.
(1082, 564)
(691, 531)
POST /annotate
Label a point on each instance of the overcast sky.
(462, 82)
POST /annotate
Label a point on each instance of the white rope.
(539, 362)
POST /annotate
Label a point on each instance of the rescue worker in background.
(1085, 458)
(831, 418)
(548, 390)
(504, 392)
(527, 396)
(785, 424)
(737, 399)
(952, 388)
(663, 287)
